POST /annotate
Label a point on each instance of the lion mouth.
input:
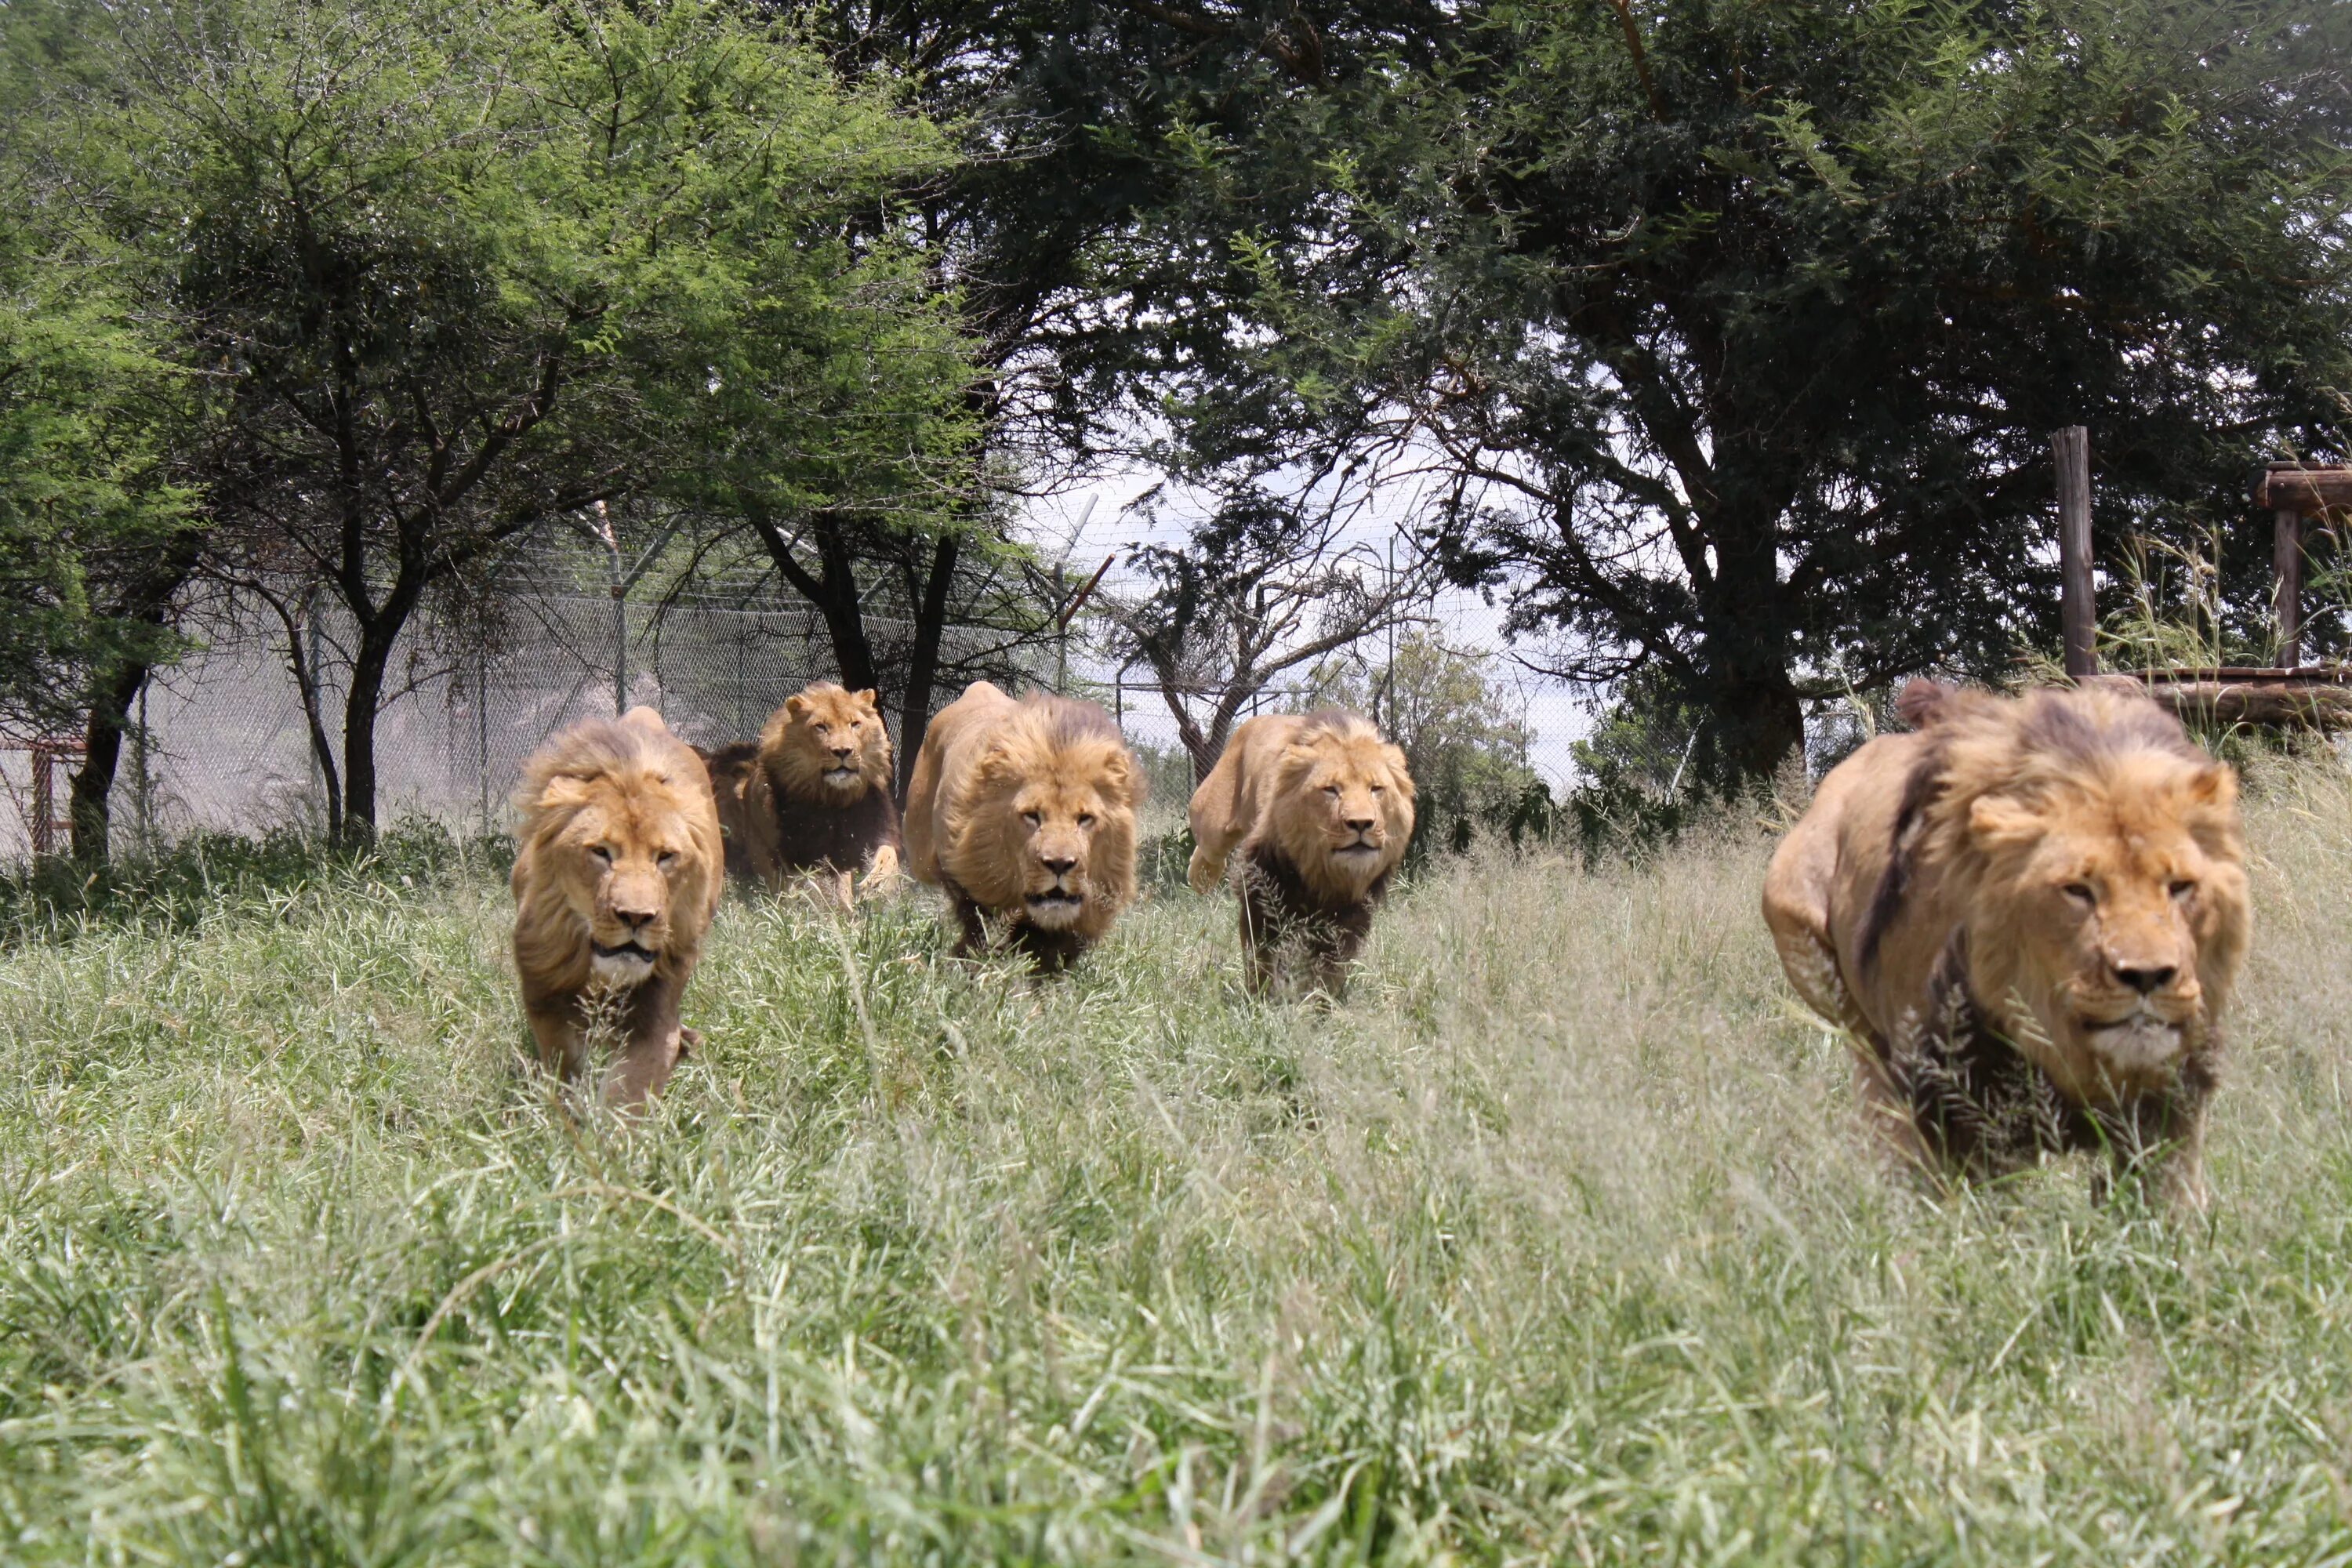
(1055, 907)
(631, 951)
(2139, 1040)
(843, 774)
(1360, 849)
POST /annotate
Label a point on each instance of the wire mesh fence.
(220, 742)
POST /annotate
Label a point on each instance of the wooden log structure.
(2288, 695)
(2292, 492)
(2311, 698)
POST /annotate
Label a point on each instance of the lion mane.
(616, 877)
(812, 795)
(2030, 914)
(1023, 813)
(1321, 809)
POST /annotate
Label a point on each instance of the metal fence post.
(2077, 615)
(142, 785)
(482, 725)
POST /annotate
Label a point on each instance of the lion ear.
(1400, 771)
(866, 701)
(997, 763)
(1123, 778)
(2214, 788)
(1997, 822)
(560, 791)
(796, 705)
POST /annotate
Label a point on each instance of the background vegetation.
(1560, 1241)
(1719, 344)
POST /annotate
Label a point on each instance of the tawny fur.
(814, 799)
(2040, 902)
(1321, 809)
(1024, 813)
(618, 847)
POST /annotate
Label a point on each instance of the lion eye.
(2080, 892)
(2183, 889)
(1031, 818)
(1380, 789)
(1331, 789)
(666, 860)
(1085, 819)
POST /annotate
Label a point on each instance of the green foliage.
(204, 875)
(1742, 329)
(464, 267)
(85, 490)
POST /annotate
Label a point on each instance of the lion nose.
(842, 751)
(634, 919)
(2147, 979)
(1061, 867)
(1361, 824)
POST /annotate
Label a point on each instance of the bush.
(51, 898)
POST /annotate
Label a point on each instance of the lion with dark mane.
(1321, 809)
(2029, 914)
(1024, 813)
(812, 797)
(616, 877)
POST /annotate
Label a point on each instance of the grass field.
(1558, 1242)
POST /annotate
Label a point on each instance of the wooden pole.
(2077, 614)
(2286, 584)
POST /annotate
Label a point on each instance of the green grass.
(1558, 1242)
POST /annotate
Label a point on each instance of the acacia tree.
(96, 532)
(463, 267)
(1263, 586)
(1738, 331)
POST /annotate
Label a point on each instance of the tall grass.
(1557, 1242)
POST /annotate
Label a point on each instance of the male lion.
(2030, 913)
(813, 796)
(1321, 808)
(1025, 812)
(616, 880)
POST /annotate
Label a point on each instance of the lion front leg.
(1258, 943)
(881, 874)
(642, 1070)
(1332, 950)
(562, 1045)
(2167, 1150)
(972, 931)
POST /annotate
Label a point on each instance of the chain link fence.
(220, 742)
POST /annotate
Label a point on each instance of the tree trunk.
(1756, 715)
(91, 792)
(923, 660)
(307, 678)
(845, 617)
(369, 661)
(833, 594)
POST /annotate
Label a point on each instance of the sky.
(1096, 518)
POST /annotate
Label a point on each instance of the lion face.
(618, 868)
(1054, 821)
(618, 864)
(1044, 826)
(1343, 806)
(2120, 903)
(826, 743)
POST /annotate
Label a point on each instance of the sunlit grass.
(1556, 1242)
